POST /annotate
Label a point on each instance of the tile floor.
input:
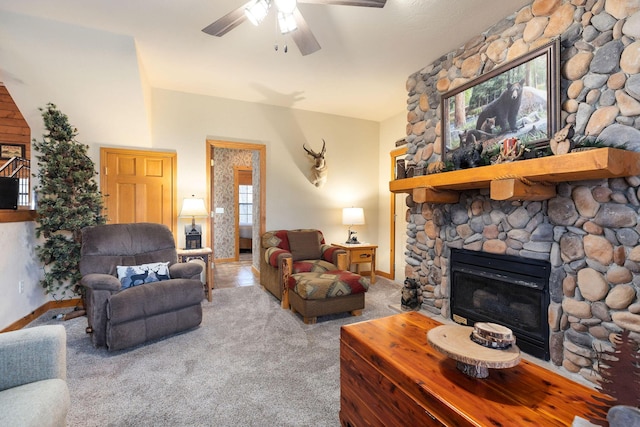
(235, 274)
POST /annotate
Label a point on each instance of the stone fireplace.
(508, 290)
(589, 233)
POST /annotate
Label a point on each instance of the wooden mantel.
(532, 179)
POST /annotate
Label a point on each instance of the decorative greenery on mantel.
(68, 200)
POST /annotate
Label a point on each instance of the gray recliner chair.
(120, 318)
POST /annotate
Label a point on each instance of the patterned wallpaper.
(224, 160)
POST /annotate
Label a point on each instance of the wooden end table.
(360, 253)
(203, 254)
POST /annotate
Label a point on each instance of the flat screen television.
(8, 192)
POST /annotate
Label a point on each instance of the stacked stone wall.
(590, 231)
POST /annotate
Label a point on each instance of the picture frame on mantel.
(519, 99)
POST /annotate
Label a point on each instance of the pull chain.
(285, 48)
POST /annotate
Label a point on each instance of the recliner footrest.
(153, 298)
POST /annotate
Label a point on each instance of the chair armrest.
(32, 354)
(287, 267)
(100, 281)
(331, 254)
(275, 255)
(185, 270)
(341, 261)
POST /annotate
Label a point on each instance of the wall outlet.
(21, 287)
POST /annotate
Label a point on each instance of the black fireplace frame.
(527, 272)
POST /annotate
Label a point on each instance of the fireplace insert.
(504, 289)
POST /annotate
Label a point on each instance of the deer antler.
(310, 152)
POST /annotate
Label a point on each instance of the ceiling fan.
(290, 20)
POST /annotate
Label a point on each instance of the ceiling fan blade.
(304, 38)
(227, 23)
(366, 3)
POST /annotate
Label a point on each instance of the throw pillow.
(304, 245)
(133, 275)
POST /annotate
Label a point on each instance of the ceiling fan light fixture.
(257, 11)
(286, 6)
(287, 22)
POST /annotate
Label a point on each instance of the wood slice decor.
(492, 335)
(472, 359)
(493, 330)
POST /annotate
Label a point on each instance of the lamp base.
(193, 241)
(352, 240)
(193, 236)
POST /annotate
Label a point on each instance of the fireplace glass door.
(507, 290)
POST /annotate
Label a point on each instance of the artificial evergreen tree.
(68, 199)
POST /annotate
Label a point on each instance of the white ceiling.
(366, 56)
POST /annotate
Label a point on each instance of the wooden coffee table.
(391, 376)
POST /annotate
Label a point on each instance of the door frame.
(211, 144)
(398, 152)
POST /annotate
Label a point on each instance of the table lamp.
(193, 207)
(351, 217)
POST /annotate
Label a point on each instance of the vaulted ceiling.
(366, 56)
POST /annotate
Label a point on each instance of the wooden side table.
(203, 254)
(361, 253)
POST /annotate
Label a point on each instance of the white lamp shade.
(193, 207)
(352, 216)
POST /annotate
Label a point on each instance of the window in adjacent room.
(245, 204)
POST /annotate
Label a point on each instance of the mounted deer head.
(319, 168)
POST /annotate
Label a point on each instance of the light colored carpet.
(250, 363)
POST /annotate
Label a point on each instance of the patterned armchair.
(308, 275)
(276, 256)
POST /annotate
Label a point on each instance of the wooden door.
(139, 186)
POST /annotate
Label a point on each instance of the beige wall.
(96, 78)
(187, 121)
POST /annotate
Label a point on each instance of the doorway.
(223, 156)
(243, 203)
(397, 222)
